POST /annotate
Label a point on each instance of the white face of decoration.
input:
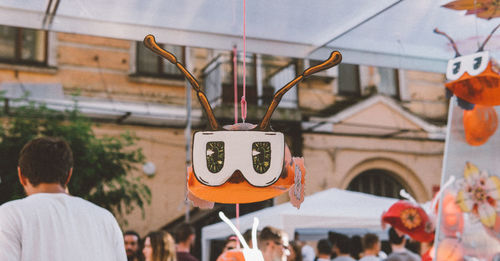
(473, 64)
(258, 155)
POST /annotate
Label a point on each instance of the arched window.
(377, 182)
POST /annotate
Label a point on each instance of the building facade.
(363, 128)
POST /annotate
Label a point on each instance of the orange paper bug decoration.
(242, 163)
(475, 78)
(480, 124)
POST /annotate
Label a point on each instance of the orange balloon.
(450, 249)
(480, 124)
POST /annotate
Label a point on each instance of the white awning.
(387, 33)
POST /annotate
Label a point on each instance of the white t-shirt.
(58, 227)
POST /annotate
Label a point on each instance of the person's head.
(324, 248)
(248, 237)
(184, 234)
(342, 245)
(159, 246)
(295, 251)
(131, 241)
(45, 160)
(395, 238)
(273, 243)
(356, 246)
(371, 244)
(230, 244)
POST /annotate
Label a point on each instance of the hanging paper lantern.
(452, 217)
(474, 78)
(242, 163)
(410, 219)
(450, 249)
(480, 124)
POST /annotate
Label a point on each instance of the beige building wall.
(334, 161)
(103, 68)
(166, 149)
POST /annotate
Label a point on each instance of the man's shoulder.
(185, 256)
(43, 201)
(404, 255)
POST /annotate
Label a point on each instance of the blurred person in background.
(159, 246)
(343, 248)
(184, 238)
(131, 240)
(399, 252)
(356, 247)
(371, 247)
(230, 244)
(273, 243)
(324, 250)
(295, 252)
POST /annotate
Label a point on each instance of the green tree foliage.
(101, 164)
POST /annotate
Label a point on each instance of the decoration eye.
(261, 156)
(215, 156)
(456, 67)
(477, 62)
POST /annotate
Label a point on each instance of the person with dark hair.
(306, 250)
(159, 246)
(131, 240)
(371, 247)
(184, 238)
(356, 247)
(231, 243)
(49, 224)
(343, 248)
(295, 251)
(273, 243)
(399, 252)
(324, 250)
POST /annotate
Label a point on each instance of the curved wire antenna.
(481, 48)
(150, 43)
(334, 59)
(453, 44)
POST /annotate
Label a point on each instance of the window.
(23, 45)
(250, 79)
(377, 182)
(349, 80)
(151, 64)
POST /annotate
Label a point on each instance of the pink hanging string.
(243, 100)
(235, 81)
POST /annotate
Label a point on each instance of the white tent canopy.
(388, 33)
(332, 208)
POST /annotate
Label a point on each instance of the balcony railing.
(262, 82)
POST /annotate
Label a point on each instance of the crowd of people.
(161, 245)
(337, 247)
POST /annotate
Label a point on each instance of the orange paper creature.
(474, 78)
(242, 163)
